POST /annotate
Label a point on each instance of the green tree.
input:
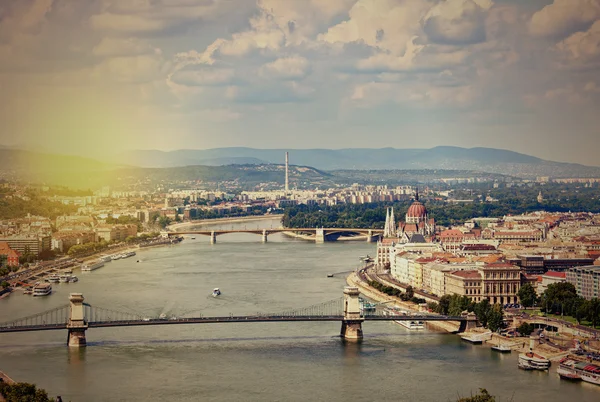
(410, 293)
(4, 284)
(444, 305)
(525, 329)
(23, 392)
(496, 318)
(527, 295)
(482, 311)
(482, 396)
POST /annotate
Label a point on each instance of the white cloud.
(113, 47)
(291, 68)
(457, 22)
(564, 17)
(204, 77)
(582, 49)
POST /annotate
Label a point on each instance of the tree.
(23, 392)
(527, 295)
(410, 293)
(482, 311)
(525, 329)
(444, 305)
(482, 396)
(496, 318)
(4, 284)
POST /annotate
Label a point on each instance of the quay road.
(39, 270)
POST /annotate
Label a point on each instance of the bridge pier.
(213, 237)
(319, 235)
(352, 322)
(76, 325)
(264, 235)
(469, 323)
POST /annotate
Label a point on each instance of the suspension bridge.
(78, 316)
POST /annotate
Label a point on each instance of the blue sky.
(99, 76)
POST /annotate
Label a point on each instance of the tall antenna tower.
(287, 180)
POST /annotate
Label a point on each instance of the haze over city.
(199, 74)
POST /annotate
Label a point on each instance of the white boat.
(74, 279)
(92, 266)
(533, 361)
(106, 258)
(216, 292)
(64, 278)
(116, 257)
(128, 254)
(43, 289)
(477, 338)
(574, 370)
(53, 278)
(501, 348)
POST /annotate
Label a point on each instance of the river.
(256, 361)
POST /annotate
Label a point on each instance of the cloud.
(204, 77)
(113, 47)
(564, 17)
(152, 17)
(457, 22)
(582, 49)
(287, 68)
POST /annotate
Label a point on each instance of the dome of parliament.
(416, 210)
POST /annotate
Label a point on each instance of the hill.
(489, 160)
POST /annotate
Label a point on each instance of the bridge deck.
(226, 319)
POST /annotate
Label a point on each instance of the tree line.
(561, 298)
(488, 315)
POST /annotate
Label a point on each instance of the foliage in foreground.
(23, 392)
(482, 396)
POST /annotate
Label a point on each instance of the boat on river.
(406, 323)
(576, 370)
(92, 266)
(42, 289)
(216, 292)
(477, 338)
(533, 361)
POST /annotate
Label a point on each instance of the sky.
(97, 77)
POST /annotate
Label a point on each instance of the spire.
(386, 227)
(392, 223)
(417, 194)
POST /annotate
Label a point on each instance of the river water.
(256, 361)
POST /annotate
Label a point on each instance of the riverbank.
(354, 279)
(218, 221)
(359, 280)
(295, 235)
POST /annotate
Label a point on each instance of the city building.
(586, 281)
(8, 255)
(549, 278)
(34, 244)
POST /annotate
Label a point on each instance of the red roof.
(554, 274)
(467, 274)
(416, 210)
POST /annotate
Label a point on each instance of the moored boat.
(92, 266)
(573, 369)
(533, 361)
(477, 338)
(53, 278)
(502, 348)
(42, 289)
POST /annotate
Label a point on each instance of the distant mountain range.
(488, 160)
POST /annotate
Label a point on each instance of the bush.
(23, 392)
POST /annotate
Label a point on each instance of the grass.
(568, 318)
